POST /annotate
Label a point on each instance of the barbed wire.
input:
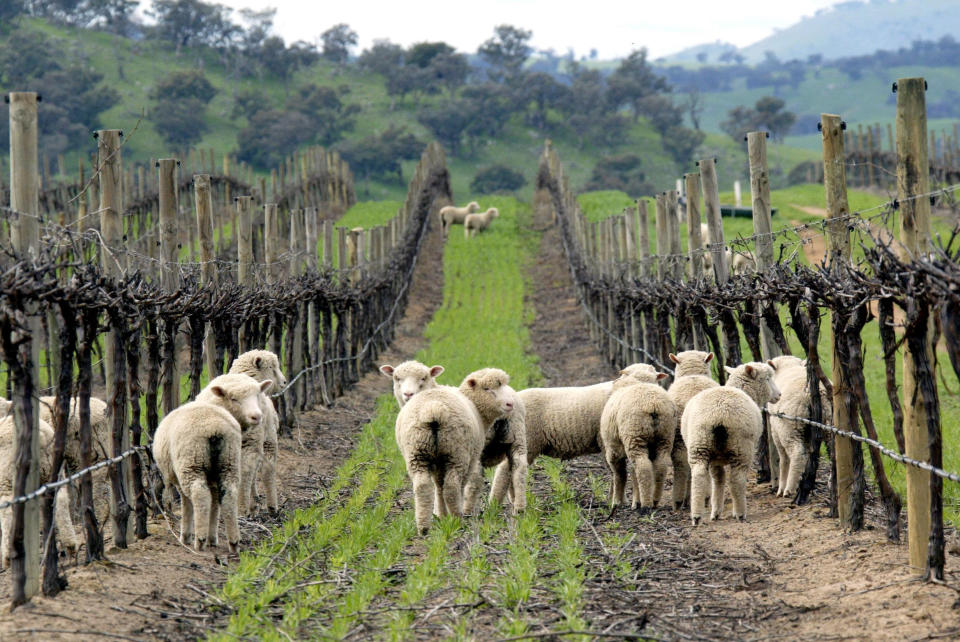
(903, 459)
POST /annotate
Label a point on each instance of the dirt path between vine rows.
(159, 590)
(787, 573)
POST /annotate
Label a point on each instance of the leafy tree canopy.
(497, 178)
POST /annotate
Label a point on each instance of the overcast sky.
(612, 27)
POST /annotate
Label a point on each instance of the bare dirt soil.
(158, 589)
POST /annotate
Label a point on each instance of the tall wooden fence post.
(25, 234)
(838, 255)
(169, 275)
(695, 245)
(913, 180)
(204, 205)
(244, 254)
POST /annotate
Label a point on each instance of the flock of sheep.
(466, 216)
(707, 432)
(209, 449)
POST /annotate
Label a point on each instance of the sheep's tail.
(434, 427)
(720, 437)
(215, 444)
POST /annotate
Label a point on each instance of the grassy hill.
(133, 68)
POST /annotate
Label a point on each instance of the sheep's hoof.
(186, 540)
(201, 543)
(677, 505)
(714, 517)
(741, 518)
(645, 510)
(234, 547)
(696, 520)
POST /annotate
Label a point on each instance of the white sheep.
(478, 222)
(441, 432)
(451, 215)
(197, 450)
(411, 377)
(691, 376)
(505, 442)
(66, 534)
(638, 424)
(790, 436)
(259, 444)
(720, 427)
(743, 262)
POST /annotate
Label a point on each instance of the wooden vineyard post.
(312, 262)
(838, 255)
(711, 210)
(663, 237)
(695, 244)
(204, 204)
(763, 256)
(298, 246)
(912, 181)
(673, 226)
(244, 254)
(643, 241)
(271, 251)
(354, 251)
(636, 327)
(25, 234)
(169, 277)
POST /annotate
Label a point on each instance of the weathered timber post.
(244, 226)
(298, 247)
(838, 255)
(25, 234)
(913, 180)
(204, 204)
(695, 245)
(646, 270)
(271, 251)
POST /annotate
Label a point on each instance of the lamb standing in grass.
(691, 376)
(197, 450)
(638, 423)
(720, 427)
(451, 215)
(505, 442)
(790, 436)
(478, 222)
(65, 530)
(258, 449)
(440, 433)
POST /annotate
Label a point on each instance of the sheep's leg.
(472, 488)
(269, 467)
(681, 474)
(519, 485)
(186, 517)
(798, 462)
(229, 503)
(423, 491)
(200, 497)
(784, 467)
(643, 470)
(660, 466)
(738, 491)
(699, 480)
(66, 533)
(214, 521)
(501, 482)
(618, 466)
(250, 461)
(452, 495)
(439, 505)
(6, 524)
(717, 477)
(635, 487)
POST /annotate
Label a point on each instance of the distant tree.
(177, 121)
(115, 16)
(488, 107)
(681, 143)
(27, 54)
(382, 155)
(337, 42)
(447, 122)
(281, 62)
(773, 116)
(739, 121)
(10, 10)
(384, 57)
(449, 70)
(621, 172)
(330, 118)
(271, 136)
(192, 22)
(702, 57)
(248, 102)
(506, 51)
(179, 85)
(661, 112)
(542, 92)
(422, 54)
(694, 106)
(407, 79)
(634, 81)
(497, 178)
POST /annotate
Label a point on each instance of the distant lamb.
(478, 222)
(720, 427)
(411, 377)
(197, 450)
(259, 444)
(691, 376)
(441, 432)
(66, 534)
(638, 424)
(790, 436)
(451, 215)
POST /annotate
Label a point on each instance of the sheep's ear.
(387, 370)
(472, 382)
(435, 371)
(751, 371)
(258, 362)
(673, 358)
(729, 369)
(265, 384)
(661, 376)
(218, 391)
(709, 358)
(771, 364)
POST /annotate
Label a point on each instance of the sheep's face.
(261, 365)
(6, 407)
(786, 361)
(472, 207)
(411, 377)
(692, 362)
(489, 391)
(756, 379)
(240, 398)
(638, 373)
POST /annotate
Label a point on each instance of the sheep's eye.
(423, 379)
